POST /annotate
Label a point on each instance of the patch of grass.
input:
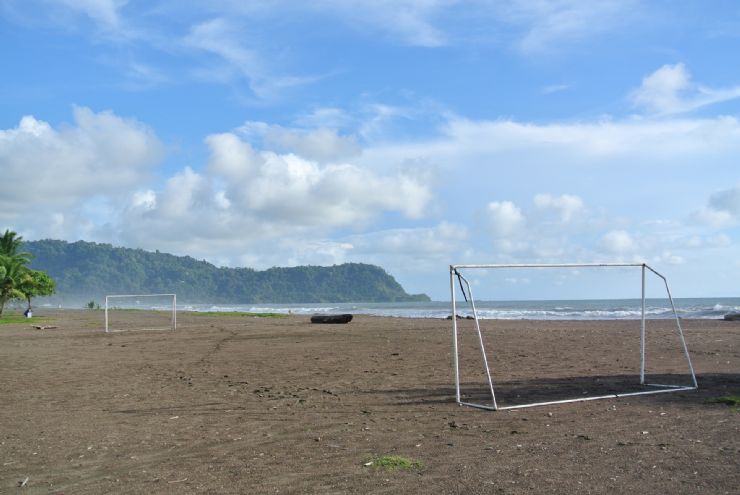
(393, 463)
(10, 319)
(240, 313)
(730, 400)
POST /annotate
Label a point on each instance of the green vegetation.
(239, 313)
(730, 400)
(18, 281)
(393, 462)
(10, 319)
(35, 283)
(85, 270)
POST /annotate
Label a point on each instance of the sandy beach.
(233, 404)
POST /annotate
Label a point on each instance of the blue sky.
(411, 134)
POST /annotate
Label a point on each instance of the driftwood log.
(733, 316)
(331, 318)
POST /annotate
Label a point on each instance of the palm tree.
(10, 242)
(12, 269)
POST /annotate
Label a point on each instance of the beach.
(238, 404)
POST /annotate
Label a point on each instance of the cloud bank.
(101, 154)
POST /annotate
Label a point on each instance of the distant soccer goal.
(541, 378)
(140, 312)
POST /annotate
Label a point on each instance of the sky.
(412, 134)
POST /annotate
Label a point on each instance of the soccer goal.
(140, 312)
(628, 380)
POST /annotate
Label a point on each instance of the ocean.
(616, 309)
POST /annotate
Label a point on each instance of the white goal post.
(653, 388)
(173, 320)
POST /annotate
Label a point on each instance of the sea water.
(613, 309)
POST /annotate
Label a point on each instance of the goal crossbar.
(657, 387)
(173, 323)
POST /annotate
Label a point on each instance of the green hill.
(86, 270)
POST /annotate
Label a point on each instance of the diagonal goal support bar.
(467, 293)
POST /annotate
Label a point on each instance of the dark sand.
(247, 405)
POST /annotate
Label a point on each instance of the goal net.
(140, 312)
(511, 354)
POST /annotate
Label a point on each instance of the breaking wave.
(623, 309)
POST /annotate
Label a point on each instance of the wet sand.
(229, 404)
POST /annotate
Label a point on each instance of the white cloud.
(186, 193)
(669, 258)
(528, 238)
(405, 250)
(422, 23)
(716, 241)
(727, 200)
(190, 215)
(95, 178)
(408, 21)
(103, 12)
(596, 139)
(142, 76)
(441, 240)
(101, 154)
(221, 200)
(251, 204)
(505, 217)
(548, 24)
(145, 200)
(295, 190)
(567, 205)
(230, 41)
(554, 88)
(669, 90)
(722, 211)
(231, 157)
(581, 235)
(321, 144)
(276, 195)
(220, 37)
(611, 165)
(411, 21)
(104, 16)
(294, 251)
(660, 90)
(325, 117)
(378, 118)
(713, 218)
(618, 242)
(246, 196)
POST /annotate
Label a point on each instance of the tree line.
(17, 280)
(85, 270)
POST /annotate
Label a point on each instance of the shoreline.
(40, 312)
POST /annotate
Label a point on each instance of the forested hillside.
(86, 270)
